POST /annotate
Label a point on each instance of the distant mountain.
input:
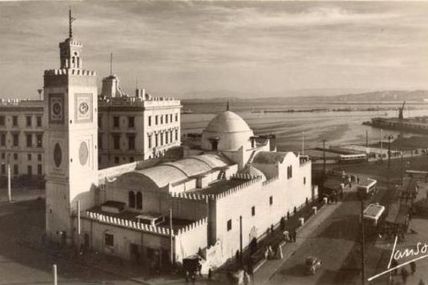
(375, 96)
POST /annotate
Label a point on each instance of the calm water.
(335, 127)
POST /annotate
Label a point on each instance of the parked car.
(312, 264)
(192, 267)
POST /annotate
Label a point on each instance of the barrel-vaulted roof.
(181, 170)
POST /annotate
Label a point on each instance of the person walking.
(412, 267)
(404, 275)
(394, 264)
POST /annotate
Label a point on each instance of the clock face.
(83, 108)
(83, 153)
(57, 155)
(56, 108)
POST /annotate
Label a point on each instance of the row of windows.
(16, 169)
(15, 156)
(160, 119)
(29, 140)
(28, 121)
(253, 213)
(116, 142)
(116, 122)
(160, 138)
(29, 156)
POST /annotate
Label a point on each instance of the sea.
(302, 126)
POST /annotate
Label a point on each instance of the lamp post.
(390, 137)
(9, 180)
(323, 157)
(362, 196)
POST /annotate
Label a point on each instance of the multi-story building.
(135, 127)
(130, 128)
(218, 200)
(22, 126)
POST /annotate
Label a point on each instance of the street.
(21, 225)
(336, 242)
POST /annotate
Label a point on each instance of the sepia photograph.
(213, 142)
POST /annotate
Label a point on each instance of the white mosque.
(217, 198)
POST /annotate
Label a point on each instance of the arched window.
(131, 198)
(139, 201)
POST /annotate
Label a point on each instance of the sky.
(217, 49)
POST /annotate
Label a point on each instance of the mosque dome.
(226, 132)
(227, 122)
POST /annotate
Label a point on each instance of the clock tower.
(70, 96)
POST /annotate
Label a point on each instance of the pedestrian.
(293, 235)
(266, 253)
(404, 275)
(247, 278)
(413, 267)
(358, 180)
(394, 264)
(250, 268)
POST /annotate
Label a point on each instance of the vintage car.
(192, 266)
(312, 264)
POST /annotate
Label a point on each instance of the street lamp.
(390, 137)
(9, 179)
(362, 195)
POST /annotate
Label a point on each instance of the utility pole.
(303, 143)
(9, 180)
(171, 231)
(240, 238)
(323, 156)
(389, 151)
(367, 138)
(55, 277)
(78, 227)
(381, 148)
(363, 242)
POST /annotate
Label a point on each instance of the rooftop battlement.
(13, 102)
(70, 71)
(137, 101)
(72, 41)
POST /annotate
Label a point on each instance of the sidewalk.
(270, 267)
(21, 194)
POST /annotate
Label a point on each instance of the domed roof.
(227, 122)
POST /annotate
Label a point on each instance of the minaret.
(70, 96)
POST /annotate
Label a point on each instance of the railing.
(267, 182)
(193, 226)
(237, 188)
(132, 225)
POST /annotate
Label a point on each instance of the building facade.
(130, 128)
(165, 212)
(216, 198)
(133, 128)
(22, 144)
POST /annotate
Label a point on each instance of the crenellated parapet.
(189, 196)
(68, 71)
(128, 224)
(245, 176)
(237, 188)
(267, 182)
(193, 226)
